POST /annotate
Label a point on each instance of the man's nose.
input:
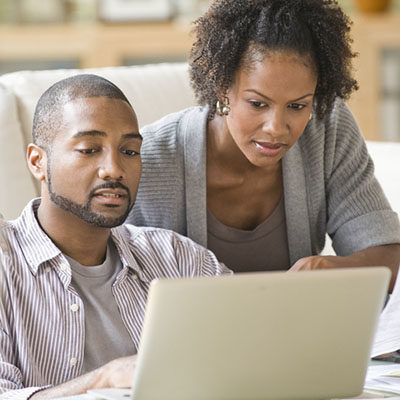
(111, 167)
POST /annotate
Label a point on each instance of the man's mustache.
(109, 185)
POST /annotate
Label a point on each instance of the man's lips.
(110, 193)
(112, 197)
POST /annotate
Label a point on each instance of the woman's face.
(271, 102)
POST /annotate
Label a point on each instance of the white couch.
(154, 91)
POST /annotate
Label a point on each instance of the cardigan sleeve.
(358, 213)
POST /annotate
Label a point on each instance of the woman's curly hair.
(317, 29)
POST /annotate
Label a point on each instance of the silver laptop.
(276, 335)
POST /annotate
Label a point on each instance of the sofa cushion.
(17, 186)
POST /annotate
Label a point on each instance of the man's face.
(94, 164)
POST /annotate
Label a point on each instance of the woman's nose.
(275, 123)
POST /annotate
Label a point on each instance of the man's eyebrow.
(132, 136)
(266, 97)
(89, 133)
(94, 132)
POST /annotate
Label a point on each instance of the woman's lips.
(269, 149)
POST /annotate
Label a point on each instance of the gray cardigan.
(329, 184)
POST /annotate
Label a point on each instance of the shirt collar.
(123, 239)
(32, 236)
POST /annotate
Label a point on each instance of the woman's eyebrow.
(267, 98)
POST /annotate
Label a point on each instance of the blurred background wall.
(49, 34)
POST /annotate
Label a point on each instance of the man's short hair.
(46, 119)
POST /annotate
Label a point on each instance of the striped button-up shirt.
(42, 327)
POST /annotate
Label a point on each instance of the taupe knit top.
(263, 248)
(328, 176)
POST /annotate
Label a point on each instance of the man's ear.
(37, 161)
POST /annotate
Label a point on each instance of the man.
(75, 281)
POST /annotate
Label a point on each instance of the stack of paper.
(387, 338)
(384, 379)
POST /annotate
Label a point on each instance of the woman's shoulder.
(171, 123)
(341, 117)
(337, 127)
(165, 138)
(328, 142)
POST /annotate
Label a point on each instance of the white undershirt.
(106, 336)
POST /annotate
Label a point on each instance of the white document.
(383, 379)
(387, 338)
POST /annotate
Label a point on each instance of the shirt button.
(134, 277)
(63, 267)
(47, 269)
(73, 361)
(74, 307)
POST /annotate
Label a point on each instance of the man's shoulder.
(156, 237)
(163, 253)
(12, 231)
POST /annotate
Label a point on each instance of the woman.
(274, 159)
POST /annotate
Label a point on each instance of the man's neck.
(74, 237)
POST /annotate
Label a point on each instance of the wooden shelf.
(101, 45)
(372, 34)
(94, 45)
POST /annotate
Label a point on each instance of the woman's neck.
(224, 154)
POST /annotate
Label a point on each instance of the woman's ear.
(37, 161)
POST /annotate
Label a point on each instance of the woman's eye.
(257, 104)
(297, 106)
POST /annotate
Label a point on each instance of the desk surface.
(364, 396)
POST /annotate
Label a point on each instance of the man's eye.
(129, 152)
(297, 106)
(87, 151)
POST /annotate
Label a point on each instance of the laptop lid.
(265, 336)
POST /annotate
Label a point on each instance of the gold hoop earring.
(310, 117)
(223, 108)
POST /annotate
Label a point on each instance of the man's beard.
(83, 211)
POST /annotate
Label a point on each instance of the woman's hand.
(386, 255)
(319, 262)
